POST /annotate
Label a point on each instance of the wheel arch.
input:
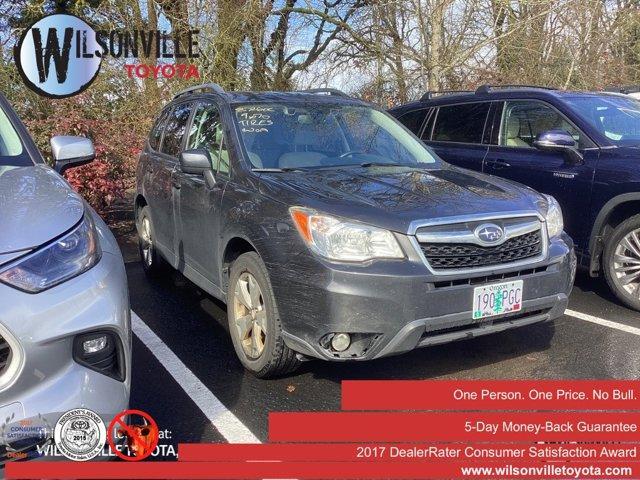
(235, 246)
(615, 211)
(139, 203)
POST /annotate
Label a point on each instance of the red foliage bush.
(117, 147)
(107, 178)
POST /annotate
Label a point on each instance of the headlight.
(345, 241)
(61, 260)
(555, 223)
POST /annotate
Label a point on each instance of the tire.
(257, 334)
(623, 277)
(152, 262)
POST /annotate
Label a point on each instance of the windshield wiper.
(383, 164)
(276, 170)
(365, 164)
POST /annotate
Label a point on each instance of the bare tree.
(276, 56)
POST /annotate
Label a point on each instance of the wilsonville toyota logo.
(58, 56)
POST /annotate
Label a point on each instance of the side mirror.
(71, 152)
(196, 161)
(559, 141)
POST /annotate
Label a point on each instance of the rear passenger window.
(413, 120)
(461, 123)
(156, 131)
(174, 131)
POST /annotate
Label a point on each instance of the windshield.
(281, 136)
(616, 117)
(12, 152)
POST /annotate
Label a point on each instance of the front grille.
(463, 255)
(5, 355)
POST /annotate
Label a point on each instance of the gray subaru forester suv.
(65, 333)
(332, 232)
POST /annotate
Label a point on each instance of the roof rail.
(484, 89)
(329, 91)
(212, 87)
(627, 89)
(432, 93)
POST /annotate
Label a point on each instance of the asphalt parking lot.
(187, 377)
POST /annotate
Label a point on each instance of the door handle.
(561, 174)
(499, 164)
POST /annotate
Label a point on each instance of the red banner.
(408, 452)
(318, 470)
(491, 395)
(453, 427)
(470, 429)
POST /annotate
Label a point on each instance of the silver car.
(65, 331)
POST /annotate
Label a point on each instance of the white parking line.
(232, 429)
(601, 321)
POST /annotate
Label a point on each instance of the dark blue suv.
(582, 148)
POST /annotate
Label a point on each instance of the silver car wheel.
(626, 263)
(147, 242)
(250, 316)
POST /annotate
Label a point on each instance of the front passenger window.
(207, 133)
(174, 131)
(156, 133)
(524, 120)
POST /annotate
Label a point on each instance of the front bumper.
(48, 381)
(392, 307)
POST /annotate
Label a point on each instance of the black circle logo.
(58, 56)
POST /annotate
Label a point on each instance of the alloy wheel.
(250, 316)
(626, 263)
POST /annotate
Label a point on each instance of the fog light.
(340, 342)
(102, 352)
(94, 345)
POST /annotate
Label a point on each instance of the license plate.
(497, 299)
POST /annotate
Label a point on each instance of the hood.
(393, 197)
(36, 205)
(631, 151)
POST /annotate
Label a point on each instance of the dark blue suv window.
(524, 120)
(413, 120)
(617, 118)
(450, 128)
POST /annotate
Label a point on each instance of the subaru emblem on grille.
(489, 233)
